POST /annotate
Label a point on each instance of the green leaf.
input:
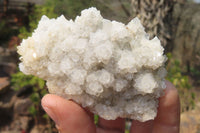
(45, 116)
(35, 98)
(33, 110)
(193, 95)
(44, 92)
(96, 119)
(41, 83)
(127, 131)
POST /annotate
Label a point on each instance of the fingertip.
(170, 86)
(67, 114)
(50, 104)
(45, 100)
(171, 96)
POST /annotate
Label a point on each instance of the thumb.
(68, 116)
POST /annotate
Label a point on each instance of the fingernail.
(53, 116)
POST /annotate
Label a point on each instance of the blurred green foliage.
(181, 82)
(175, 73)
(69, 8)
(20, 80)
(6, 32)
(195, 72)
(52, 9)
(126, 131)
(96, 119)
(34, 18)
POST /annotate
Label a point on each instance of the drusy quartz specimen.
(111, 68)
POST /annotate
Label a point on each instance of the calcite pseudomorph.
(111, 68)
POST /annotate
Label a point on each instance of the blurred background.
(175, 22)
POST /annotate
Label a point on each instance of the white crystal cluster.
(111, 68)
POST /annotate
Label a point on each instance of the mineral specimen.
(111, 68)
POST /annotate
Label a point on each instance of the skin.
(71, 118)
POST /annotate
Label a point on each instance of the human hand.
(71, 118)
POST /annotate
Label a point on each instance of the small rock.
(25, 120)
(39, 129)
(6, 69)
(21, 123)
(4, 83)
(1, 50)
(13, 42)
(21, 106)
(8, 55)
